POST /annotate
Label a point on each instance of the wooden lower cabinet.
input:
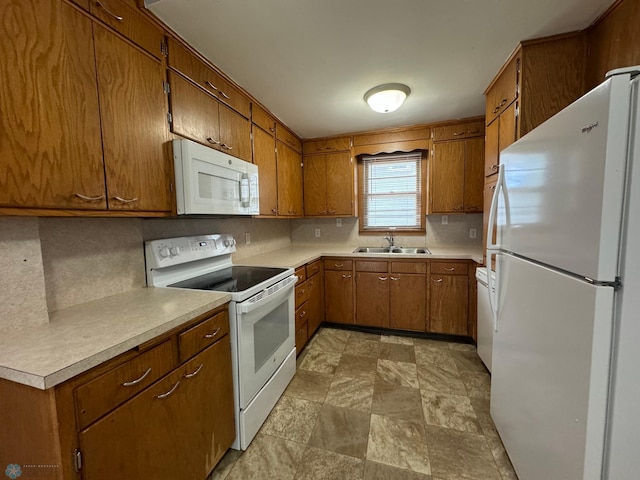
(407, 302)
(178, 428)
(338, 300)
(309, 303)
(316, 304)
(449, 304)
(372, 299)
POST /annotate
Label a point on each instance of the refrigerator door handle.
(493, 211)
(492, 286)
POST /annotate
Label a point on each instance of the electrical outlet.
(338, 222)
(445, 220)
(247, 238)
(317, 232)
(473, 233)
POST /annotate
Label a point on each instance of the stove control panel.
(175, 251)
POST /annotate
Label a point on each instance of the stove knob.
(174, 251)
(228, 242)
(165, 252)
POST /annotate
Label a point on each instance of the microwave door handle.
(248, 307)
(245, 190)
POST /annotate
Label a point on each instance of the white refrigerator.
(565, 387)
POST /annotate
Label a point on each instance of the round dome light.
(387, 98)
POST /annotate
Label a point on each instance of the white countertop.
(79, 338)
(297, 255)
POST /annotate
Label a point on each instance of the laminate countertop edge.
(79, 338)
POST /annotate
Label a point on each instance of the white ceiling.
(311, 61)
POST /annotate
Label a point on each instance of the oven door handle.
(261, 299)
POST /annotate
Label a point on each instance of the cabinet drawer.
(338, 264)
(302, 315)
(301, 273)
(288, 138)
(370, 266)
(454, 132)
(102, 394)
(127, 21)
(302, 293)
(313, 268)
(408, 267)
(263, 119)
(191, 66)
(449, 268)
(330, 145)
(202, 335)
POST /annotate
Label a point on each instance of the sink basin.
(398, 250)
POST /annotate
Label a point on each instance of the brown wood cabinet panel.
(313, 268)
(372, 299)
(264, 156)
(235, 133)
(177, 428)
(408, 267)
(301, 316)
(263, 119)
(449, 304)
(133, 109)
(447, 177)
(407, 302)
(337, 264)
(315, 304)
(338, 300)
(508, 127)
(326, 145)
(458, 131)
(301, 273)
(289, 181)
(102, 394)
(371, 266)
(491, 149)
(392, 136)
(340, 190)
(130, 23)
(503, 90)
(489, 190)
(50, 143)
(302, 335)
(200, 336)
(288, 138)
(473, 174)
(450, 268)
(302, 293)
(315, 185)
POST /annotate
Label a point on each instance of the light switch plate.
(317, 232)
(247, 238)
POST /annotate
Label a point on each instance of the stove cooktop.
(232, 279)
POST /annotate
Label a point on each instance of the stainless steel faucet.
(389, 238)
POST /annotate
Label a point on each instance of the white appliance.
(213, 182)
(485, 317)
(565, 385)
(261, 318)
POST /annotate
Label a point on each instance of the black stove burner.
(232, 279)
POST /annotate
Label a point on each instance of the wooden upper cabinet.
(288, 138)
(328, 185)
(50, 145)
(458, 131)
(396, 140)
(129, 22)
(473, 175)
(503, 90)
(184, 61)
(262, 118)
(446, 179)
(133, 108)
(264, 156)
(289, 181)
(342, 144)
(235, 133)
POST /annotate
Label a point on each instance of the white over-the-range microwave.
(209, 182)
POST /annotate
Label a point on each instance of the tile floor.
(372, 407)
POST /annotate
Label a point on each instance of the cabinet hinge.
(351, 160)
(301, 165)
(77, 460)
(166, 87)
(163, 48)
(169, 117)
(171, 187)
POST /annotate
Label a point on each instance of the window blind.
(392, 195)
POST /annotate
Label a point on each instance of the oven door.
(265, 338)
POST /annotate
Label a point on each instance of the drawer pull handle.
(382, 278)
(135, 382)
(193, 374)
(395, 278)
(224, 94)
(455, 134)
(449, 269)
(504, 100)
(302, 313)
(165, 395)
(272, 129)
(439, 280)
(126, 200)
(211, 335)
(213, 140)
(494, 167)
(338, 265)
(346, 276)
(89, 199)
(117, 17)
(226, 147)
(211, 84)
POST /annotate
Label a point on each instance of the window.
(391, 192)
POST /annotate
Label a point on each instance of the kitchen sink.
(398, 250)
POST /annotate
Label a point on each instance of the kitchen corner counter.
(297, 255)
(81, 337)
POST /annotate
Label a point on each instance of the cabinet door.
(314, 304)
(195, 114)
(508, 127)
(338, 301)
(449, 304)
(473, 174)
(339, 182)
(133, 109)
(50, 145)
(264, 156)
(491, 148)
(372, 299)
(315, 185)
(289, 181)
(235, 133)
(447, 177)
(177, 428)
(408, 296)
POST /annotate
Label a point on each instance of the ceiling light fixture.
(387, 98)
